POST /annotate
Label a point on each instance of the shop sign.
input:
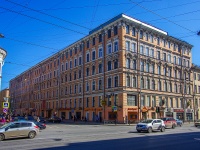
(132, 109)
(178, 110)
(189, 110)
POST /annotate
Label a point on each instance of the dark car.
(42, 119)
(40, 125)
(55, 119)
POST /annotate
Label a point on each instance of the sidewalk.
(79, 122)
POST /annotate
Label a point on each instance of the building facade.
(124, 69)
(4, 97)
(196, 94)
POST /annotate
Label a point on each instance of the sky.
(36, 29)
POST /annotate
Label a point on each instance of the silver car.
(18, 129)
(150, 125)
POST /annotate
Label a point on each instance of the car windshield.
(147, 121)
(164, 119)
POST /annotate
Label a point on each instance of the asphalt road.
(106, 137)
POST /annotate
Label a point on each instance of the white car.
(150, 125)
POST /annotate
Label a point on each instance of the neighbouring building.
(124, 69)
(4, 97)
(196, 93)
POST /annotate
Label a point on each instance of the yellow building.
(124, 69)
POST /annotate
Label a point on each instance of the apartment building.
(4, 97)
(196, 94)
(124, 69)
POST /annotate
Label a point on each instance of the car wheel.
(196, 126)
(173, 126)
(31, 134)
(138, 131)
(2, 137)
(162, 129)
(180, 125)
(149, 130)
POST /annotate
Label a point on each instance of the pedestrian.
(38, 119)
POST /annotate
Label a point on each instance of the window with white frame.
(169, 58)
(142, 101)
(128, 63)
(128, 45)
(109, 82)
(133, 47)
(109, 49)
(75, 62)
(100, 52)
(131, 100)
(159, 69)
(153, 101)
(88, 57)
(142, 65)
(115, 46)
(128, 81)
(141, 49)
(134, 82)
(147, 51)
(148, 101)
(142, 83)
(152, 53)
(93, 55)
(147, 67)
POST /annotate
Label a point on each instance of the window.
(134, 64)
(142, 83)
(142, 65)
(115, 46)
(115, 30)
(175, 60)
(127, 29)
(93, 41)
(87, 86)
(109, 100)
(93, 85)
(165, 86)
(93, 70)
(148, 101)
(66, 66)
(128, 81)
(80, 72)
(141, 49)
(74, 75)
(147, 67)
(109, 83)
(179, 61)
(87, 72)
(93, 55)
(147, 51)
(175, 88)
(148, 84)
(70, 53)
(87, 102)
(153, 101)
(131, 100)
(116, 64)
(142, 101)
(109, 49)
(141, 34)
(170, 72)
(134, 82)
(164, 57)
(152, 68)
(159, 85)
(66, 54)
(116, 81)
(75, 62)
(147, 37)
(158, 41)
(75, 50)
(100, 68)
(127, 45)
(93, 101)
(80, 60)
(109, 65)
(152, 53)
(128, 63)
(177, 103)
(153, 84)
(116, 100)
(87, 57)
(133, 47)
(158, 55)
(70, 64)
(165, 71)
(169, 45)
(109, 33)
(159, 70)
(169, 58)
(100, 38)
(133, 31)
(100, 84)
(100, 52)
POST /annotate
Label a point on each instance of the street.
(107, 137)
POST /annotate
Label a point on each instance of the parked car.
(18, 129)
(150, 125)
(179, 122)
(197, 123)
(42, 119)
(55, 119)
(40, 125)
(169, 122)
(19, 118)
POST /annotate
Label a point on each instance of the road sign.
(5, 110)
(114, 108)
(5, 104)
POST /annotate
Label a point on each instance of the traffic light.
(158, 109)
